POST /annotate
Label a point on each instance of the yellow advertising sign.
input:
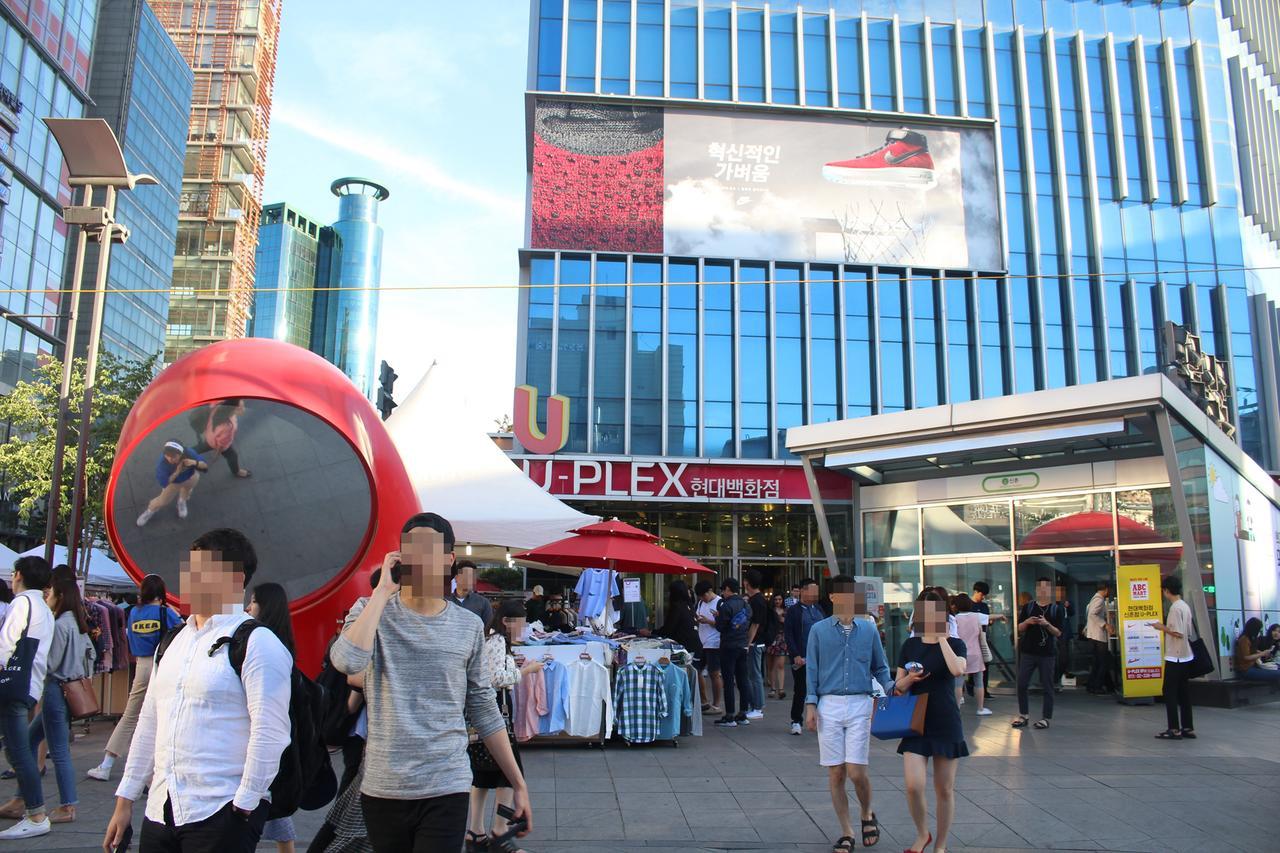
(1141, 646)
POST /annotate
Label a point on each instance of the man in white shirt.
(31, 575)
(208, 742)
(1098, 630)
(708, 663)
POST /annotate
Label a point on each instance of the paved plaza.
(1098, 780)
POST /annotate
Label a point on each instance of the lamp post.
(94, 161)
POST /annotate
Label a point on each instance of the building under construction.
(231, 46)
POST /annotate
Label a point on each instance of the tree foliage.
(31, 412)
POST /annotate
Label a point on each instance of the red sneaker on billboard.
(903, 161)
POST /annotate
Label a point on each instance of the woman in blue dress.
(941, 660)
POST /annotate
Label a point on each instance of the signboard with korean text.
(670, 480)
(1141, 646)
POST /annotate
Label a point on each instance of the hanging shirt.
(531, 703)
(588, 694)
(595, 588)
(556, 685)
(641, 700)
(679, 701)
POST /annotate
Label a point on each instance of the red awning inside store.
(1092, 529)
(613, 545)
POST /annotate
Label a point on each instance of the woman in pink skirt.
(969, 625)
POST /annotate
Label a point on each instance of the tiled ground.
(1097, 780)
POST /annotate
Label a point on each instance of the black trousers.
(734, 672)
(352, 755)
(433, 825)
(1100, 670)
(233, 458)
(224, 832)
(1028, 664)
(1177, 694)
(800, 684)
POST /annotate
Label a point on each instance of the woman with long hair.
(499, 668)
(930, 663)
(269, 604)
(1249, 654)
(149, 620)
(71, 657)
(678, 623)
(216, 434)
(775, 656)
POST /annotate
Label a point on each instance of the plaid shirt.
(640, 699)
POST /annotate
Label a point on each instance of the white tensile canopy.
(461, 474)
(103, 571)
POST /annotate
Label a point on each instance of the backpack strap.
(167, 639)
(237, 644)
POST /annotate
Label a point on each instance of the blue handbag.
(895, 717)
(15, 677)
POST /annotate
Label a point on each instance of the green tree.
(26, 456)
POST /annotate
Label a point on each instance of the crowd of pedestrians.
(418, 686)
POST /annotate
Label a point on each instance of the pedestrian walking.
(29, 616)
(1177, 662)
(208, 741)
(930, 663)
(1040, 623)
(422, 656)
(463, 580)
(1098, 631)
(149, 620)
(269, 604)
(500, 670)
(708, 664)
(733, 620)
(801, 618)
(759, 635)
(844, 656)
(969, 625)
(775, 654)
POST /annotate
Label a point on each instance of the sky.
(427, 100)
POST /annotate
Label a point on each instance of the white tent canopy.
(7, 556)
(103, 571)
(461, 474)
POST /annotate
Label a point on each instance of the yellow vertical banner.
(1141, 646)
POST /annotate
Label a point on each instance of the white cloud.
(414, 165)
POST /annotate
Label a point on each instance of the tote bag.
(15, 678)
(894, 717)
(1202, 664)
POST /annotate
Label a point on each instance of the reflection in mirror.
(281, 476)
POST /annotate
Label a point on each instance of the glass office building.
(745, 218)
(141, 86)
(285, 275)
(44, 62)
(346, 324)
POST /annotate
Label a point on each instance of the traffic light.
(386, 382)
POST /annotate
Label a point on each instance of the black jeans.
(1177, 694)
(226, 831)
(800, 684)
(352, 755)
(233, 458)
(734, 672)
(433, 825)
(1027, 664)
(1099, 672)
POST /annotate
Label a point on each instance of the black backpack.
(335, 725)
(305, 779)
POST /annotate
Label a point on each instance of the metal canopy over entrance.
(1143, 416)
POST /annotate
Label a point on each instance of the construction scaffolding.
(231, 46)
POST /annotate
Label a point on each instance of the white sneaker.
(755, 715)
(102, 774)
(796, 730)
(182, 508)
(145, 517)
(26, 828)
(984, 712)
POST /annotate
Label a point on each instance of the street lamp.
(94, 160)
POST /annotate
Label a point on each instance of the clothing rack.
(566, 654)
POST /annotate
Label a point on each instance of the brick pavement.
(1098, 780)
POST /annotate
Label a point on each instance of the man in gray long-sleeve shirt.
(421, 656)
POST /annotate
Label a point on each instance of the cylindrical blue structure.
(350, 324)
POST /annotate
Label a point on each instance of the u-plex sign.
(679, 481)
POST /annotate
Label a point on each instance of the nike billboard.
(729, 184)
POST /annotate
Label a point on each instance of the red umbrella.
(613, 545)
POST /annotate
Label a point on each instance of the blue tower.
(346, 318)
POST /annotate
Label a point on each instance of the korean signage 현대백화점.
(713, 183)
(1141, 646)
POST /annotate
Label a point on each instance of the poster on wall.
(1141, 646)
(713, 183)
(1245, 533)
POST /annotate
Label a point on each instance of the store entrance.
(1075, 576)
(959, 574)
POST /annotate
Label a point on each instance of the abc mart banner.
(728, 184)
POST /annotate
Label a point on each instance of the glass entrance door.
(1075, 576)
(959, 574)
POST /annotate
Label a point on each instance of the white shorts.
(844, 730)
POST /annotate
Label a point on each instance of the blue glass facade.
(1124, 157)
(44, 60)
(285, 275)
(141, 86)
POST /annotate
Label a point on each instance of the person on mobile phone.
(1040, 624)
(422, 659)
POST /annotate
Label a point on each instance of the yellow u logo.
(525, 421)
